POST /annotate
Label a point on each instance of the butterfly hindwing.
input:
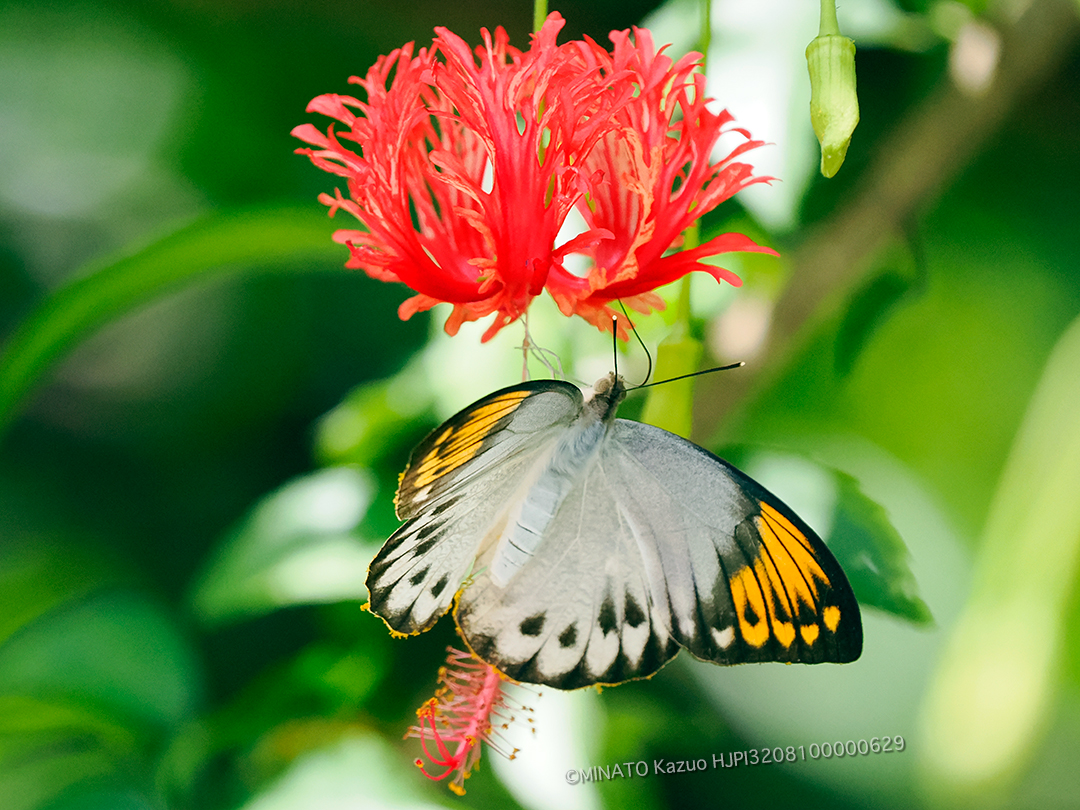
(454, 493)
(582, 611)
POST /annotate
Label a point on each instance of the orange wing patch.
(459, 443)
(749, 607)
(794, 574)
(796, 566)
(767, 595)
(831, 615)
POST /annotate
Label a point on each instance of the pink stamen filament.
(461, 712)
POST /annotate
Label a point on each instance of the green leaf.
(374, 418)
(217, 245)
(297, 546)
(357, 765)
(868, 310)
(873, 555)
(902, 273)
(989, 701)
(36, 577)
(113, 652)
(97, 798)
(37, 768)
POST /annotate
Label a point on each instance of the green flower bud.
(834, 105)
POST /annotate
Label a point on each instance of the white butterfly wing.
(581, 611)
(456, 492)
(662, 545)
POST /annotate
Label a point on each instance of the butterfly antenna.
(615, 344)
(644, 348)
(728, 367)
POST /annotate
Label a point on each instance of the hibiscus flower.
(463, 167)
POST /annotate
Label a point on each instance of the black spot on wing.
(607, 618)
(418, 577)
(568, 637)
(440, 586)
(426, 546)
(654, 656)
(442, 507)
(634, 614)
(749, 614)
(533, 625)
(377, 598)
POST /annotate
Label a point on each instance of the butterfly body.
(558, 472)
(593, 548)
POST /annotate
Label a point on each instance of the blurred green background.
(205, 416)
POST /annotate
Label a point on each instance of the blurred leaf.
(97, 798)
(219, 244)
(297, 546)
(873, 555)
(356, 771)
(40, 776)
(373, 418)
(901, 269)
(113, 652)
(47, 746)
(980, 738)
(26, 722)
(35, 578)
(867, 311)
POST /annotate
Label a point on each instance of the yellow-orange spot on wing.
(784, 632)
(776, 597)
(809, 633)
(459, 443)
(793, 557)
(831, 615)
(746, 593)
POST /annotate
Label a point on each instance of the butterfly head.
(608, 392)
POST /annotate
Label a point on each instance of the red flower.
(460, 717)
(464, 168)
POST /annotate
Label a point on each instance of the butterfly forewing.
(756, 583)
(475, 441)
(456, 492)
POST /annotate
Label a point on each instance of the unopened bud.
(834, 105)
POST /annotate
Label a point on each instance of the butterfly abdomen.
(553, 479)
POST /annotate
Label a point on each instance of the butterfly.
(577, 548)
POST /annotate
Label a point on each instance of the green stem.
(540, 12)
(705, 39)
(691, 239)
(828, 24)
